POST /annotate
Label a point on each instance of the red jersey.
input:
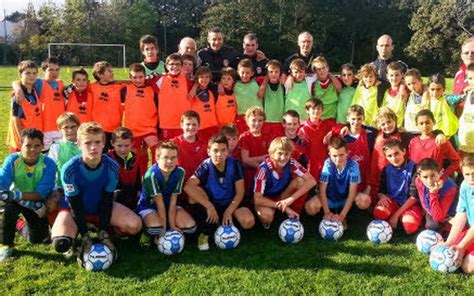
(130, 181)
(190, 155)
(317, 152)
(256, 146)
(378, 161)
(420, 149)
(438, 204)
(359, 151)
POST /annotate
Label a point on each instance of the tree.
(439, 28)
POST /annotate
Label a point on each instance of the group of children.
(231, 152)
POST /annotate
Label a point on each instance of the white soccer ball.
(442, 259)
(379, 231)
(331, 230)
(172, 242)
(98, 258)
(291, 231)
(427, 240)
(227, 237)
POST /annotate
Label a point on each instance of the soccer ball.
(227, 237)
(98, 258)
(172, 242)
(379, 231)
(291, 231)
(427, 240)
(442, 259)
(331, 230)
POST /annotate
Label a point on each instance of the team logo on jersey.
(68, 188)
(174, 83)
(104, 96)
(56, 96)
(140, 93)
(225, 62)
(258, 70)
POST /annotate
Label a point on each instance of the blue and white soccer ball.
(172, 242)
(379, 232)
(331, 230)
(227, 237)
(99, 258)
(291, 231)
(427, 240)
(442, 259)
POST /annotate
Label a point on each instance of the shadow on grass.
(263, 251)
(41, 255)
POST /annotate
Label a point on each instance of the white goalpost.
(124, 59)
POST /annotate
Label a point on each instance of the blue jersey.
(155, 184)
(271, 182)
(80, 181)
(338, 183)
(395, 182)
(219, 186)
(466, 202)
(43, 186)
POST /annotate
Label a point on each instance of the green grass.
(261, 264)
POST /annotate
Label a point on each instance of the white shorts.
(145, 212)
(50, 137)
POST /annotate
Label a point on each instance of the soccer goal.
(80, 54)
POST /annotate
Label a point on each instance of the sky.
(20, 5)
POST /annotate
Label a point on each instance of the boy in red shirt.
(191, 149)
(141, 115)
(79, 97)
(231, 132)
(106, 99)
(254, 145)
(291, 126)
(425, 146)
(437, 194)
(314, 130)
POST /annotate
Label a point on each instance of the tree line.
(344, 31)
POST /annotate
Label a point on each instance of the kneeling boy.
(337, 185)
(396, 196)
(32, 175)
(281, 183)
(461, 237)
(217, 189)
(162, 184)
(89, 182)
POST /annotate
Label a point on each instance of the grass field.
(260, 265)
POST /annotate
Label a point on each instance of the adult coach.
(187, 45)
(385, 49)
(467, 57)
(251, 51)
(217, 56)
(305, 44)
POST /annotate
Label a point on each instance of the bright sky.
(20, 5)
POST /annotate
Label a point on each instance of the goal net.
(86, 54)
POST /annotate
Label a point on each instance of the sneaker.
(71, 253)
(6, 254)
(203, 242)
(266, 226)
(145, 240)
